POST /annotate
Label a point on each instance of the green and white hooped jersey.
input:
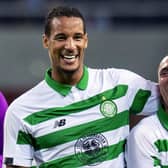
(77, 126)
(148, 142)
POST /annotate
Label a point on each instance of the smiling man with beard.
(77, 116)
(66, 41)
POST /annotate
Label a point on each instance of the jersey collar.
(64, 89)
(163, 117)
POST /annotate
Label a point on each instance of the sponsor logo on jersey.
(108, 108)
(60, 123)
(92, 150)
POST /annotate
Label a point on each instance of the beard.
(68, 72)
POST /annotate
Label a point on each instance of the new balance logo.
(59, 123)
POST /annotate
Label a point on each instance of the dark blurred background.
(130, 34)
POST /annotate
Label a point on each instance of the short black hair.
(59, 12)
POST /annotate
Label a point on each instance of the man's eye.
(60, 38)
(78, 37)
(164, 72)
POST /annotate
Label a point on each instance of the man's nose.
(70, 44)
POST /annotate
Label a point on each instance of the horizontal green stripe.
(76, 132)
(51, 113)
(24, 138)
(162, 145)
(72, 161)
(73, 133)
(140, 100)
(157, 162)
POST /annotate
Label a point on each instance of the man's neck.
(67, 77)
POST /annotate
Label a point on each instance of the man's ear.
(45, 41)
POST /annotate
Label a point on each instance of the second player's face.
(66, 44)
(163, 80)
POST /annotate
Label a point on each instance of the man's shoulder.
(146, 127)
(118, 75)
(105, 71)
(148, 121)
(118, 71)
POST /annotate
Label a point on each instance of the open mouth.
(69, 56)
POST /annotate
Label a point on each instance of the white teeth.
(69, 56)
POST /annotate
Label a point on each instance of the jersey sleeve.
(143, 96)
(18, 149)
(139, 148)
